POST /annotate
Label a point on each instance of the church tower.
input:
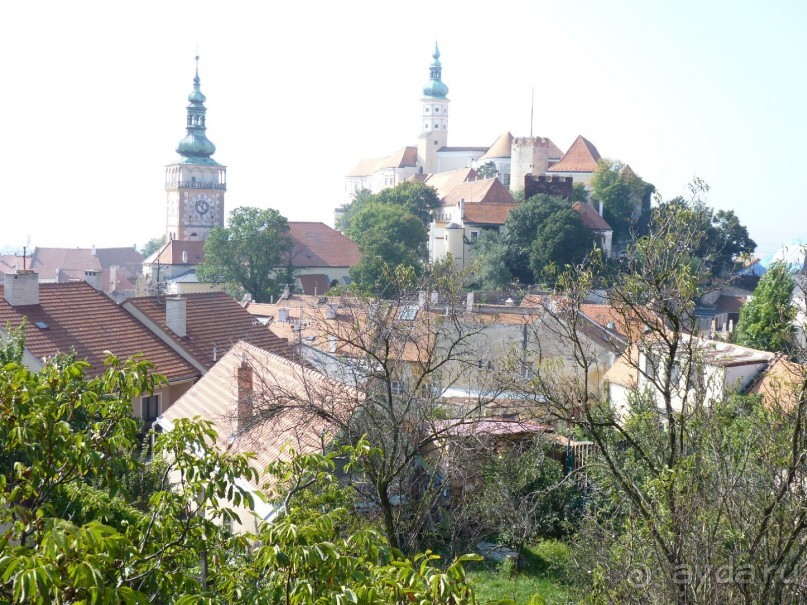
(434, 116)
(195, 185)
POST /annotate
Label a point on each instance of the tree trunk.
(386, 511)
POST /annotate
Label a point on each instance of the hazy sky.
(93, 96)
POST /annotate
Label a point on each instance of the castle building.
(470, 202)
(195, 185)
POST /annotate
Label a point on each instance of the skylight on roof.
(408, 312)
(41, 325)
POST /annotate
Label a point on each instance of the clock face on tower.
(202, 204)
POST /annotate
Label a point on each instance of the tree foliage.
(151, 246)
(766, 320)
(487, 170)
(251, 254)
(624, 195)
(541, 231)
(700, 492)
(388, 236)
(72, 533)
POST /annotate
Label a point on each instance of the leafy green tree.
(487, 170)
(490, 261)
(541, 231)
(151, 246)
(388, 236)
(349, 210)
(766, 320)
(12, 344)
(688, 482)
(623, 194)
(725, 240)
(560, 240)
(416, 198)
(251, 254)
(579, 193)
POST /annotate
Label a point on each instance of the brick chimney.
(176, 315)
(245, 409)
(93, 277)
(21, 288)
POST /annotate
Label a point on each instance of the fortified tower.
(195, 185)
(531, 155)
(434, 116)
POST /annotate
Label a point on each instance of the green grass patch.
(543, 570)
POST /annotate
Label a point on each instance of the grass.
(540, 574)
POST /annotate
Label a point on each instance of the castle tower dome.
(434, 116)
(195, 147)
(196, 183)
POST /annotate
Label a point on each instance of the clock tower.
(195, 185)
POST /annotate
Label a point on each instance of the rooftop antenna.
(532, 108)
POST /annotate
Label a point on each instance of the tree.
(561, 239)
(253, 253)
(490, 261)
(151, 246)
(531, 241)
(69, 533)
(400, 357)
(623, 194)
(700, 499)
(415, 198)
(767, 319)
(487, 170)
(388, 236)
(725, 239)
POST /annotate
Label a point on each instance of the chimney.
(93, 277)
(93, 249)
(21, 288)
(176, 315)
(184, 257)
(601, 208)
(245, 409)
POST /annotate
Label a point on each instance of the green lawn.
(544, 568)
(490, 584)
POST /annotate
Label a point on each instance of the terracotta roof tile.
(782, 384)
(172, 252)
(82, 319)
(444, 182)
(487, 214)
(318, 245)
(406, 157)
(489, 191)
(215, 398)
(590, 217)
(215, 322)
(315, 284)
(501, 148)
(582, 156)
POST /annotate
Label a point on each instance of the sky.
(93, 98)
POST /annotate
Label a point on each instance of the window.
(435, 142)
(474, 236)
(427, 110)
(150, 407)
(436, 110)
(396, 387)
(506, 179)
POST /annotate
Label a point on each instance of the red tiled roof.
(444, 182)
(172, 252)
(582, 156)
(501, 148)
(318, 245)
(315, 285)
(82, 319)
(215, 322)
(408, 156)
(487, 191)
(215, 398)
(486, 214)
(590, 217)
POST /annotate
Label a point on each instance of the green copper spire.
(435, 87)
(196, 148)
